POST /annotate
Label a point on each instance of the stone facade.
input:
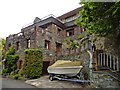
(48, 34)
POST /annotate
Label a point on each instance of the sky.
(14, 14)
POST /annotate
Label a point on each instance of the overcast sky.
(14, 14)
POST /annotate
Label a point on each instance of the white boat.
(68, 68)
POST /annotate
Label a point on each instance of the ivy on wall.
(33, 64)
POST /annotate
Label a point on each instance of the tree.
(71, 45)
(101, 19)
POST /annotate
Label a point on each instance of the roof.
(43, 22)
(71, 13)
(52, 19)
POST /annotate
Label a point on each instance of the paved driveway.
(10, 83)
(44, 82)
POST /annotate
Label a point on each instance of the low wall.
(101, 79)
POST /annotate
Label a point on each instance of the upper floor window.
(70, 32)
(28, 43)
(71, 18)
(17, 45)
(82, 30)
(9, 45)
(58, 47)
(45, 28)
(48, 35)
(47, 44)
(59, 31)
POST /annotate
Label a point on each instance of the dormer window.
(70, 32)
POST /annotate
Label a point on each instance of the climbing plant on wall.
(33, 63)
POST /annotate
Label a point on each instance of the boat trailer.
(79, 78)
(69, 79)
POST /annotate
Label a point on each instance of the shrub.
(33, 63)
(11, 60)
(5, 71)
(16, 76)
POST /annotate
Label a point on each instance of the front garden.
(32, 68)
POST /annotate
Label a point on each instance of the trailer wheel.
(51, 78)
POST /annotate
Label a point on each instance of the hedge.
(33, 64)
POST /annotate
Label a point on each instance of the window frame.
(47, 45)
(28, 43)
(71, 30)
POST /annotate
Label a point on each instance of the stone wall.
(101, 79)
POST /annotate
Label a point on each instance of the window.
(9, 45)
(71, 18)
(58, 47)
(28, 43)
(82, 30)
(59, 32)
(44, 28)
(47, 44)
(17, 45)
(70, 32)
(48, 35)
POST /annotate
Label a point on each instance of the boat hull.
(69, 70)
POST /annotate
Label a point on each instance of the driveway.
(44, 82)
(11, 83)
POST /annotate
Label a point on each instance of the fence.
(108, 61)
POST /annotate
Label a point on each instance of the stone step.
(115, 75)
(105, 79)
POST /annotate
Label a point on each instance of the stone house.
(49, 33)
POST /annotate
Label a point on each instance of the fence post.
(114, 63)
(101, 58)
(110, 61)
(107, 60)
(117, 64)
(104, 59)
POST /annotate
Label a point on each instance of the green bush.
(5, 71)
(33, 63)
(16, 76)
(11, 60)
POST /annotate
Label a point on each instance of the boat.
(68, 68)
(67, 71)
